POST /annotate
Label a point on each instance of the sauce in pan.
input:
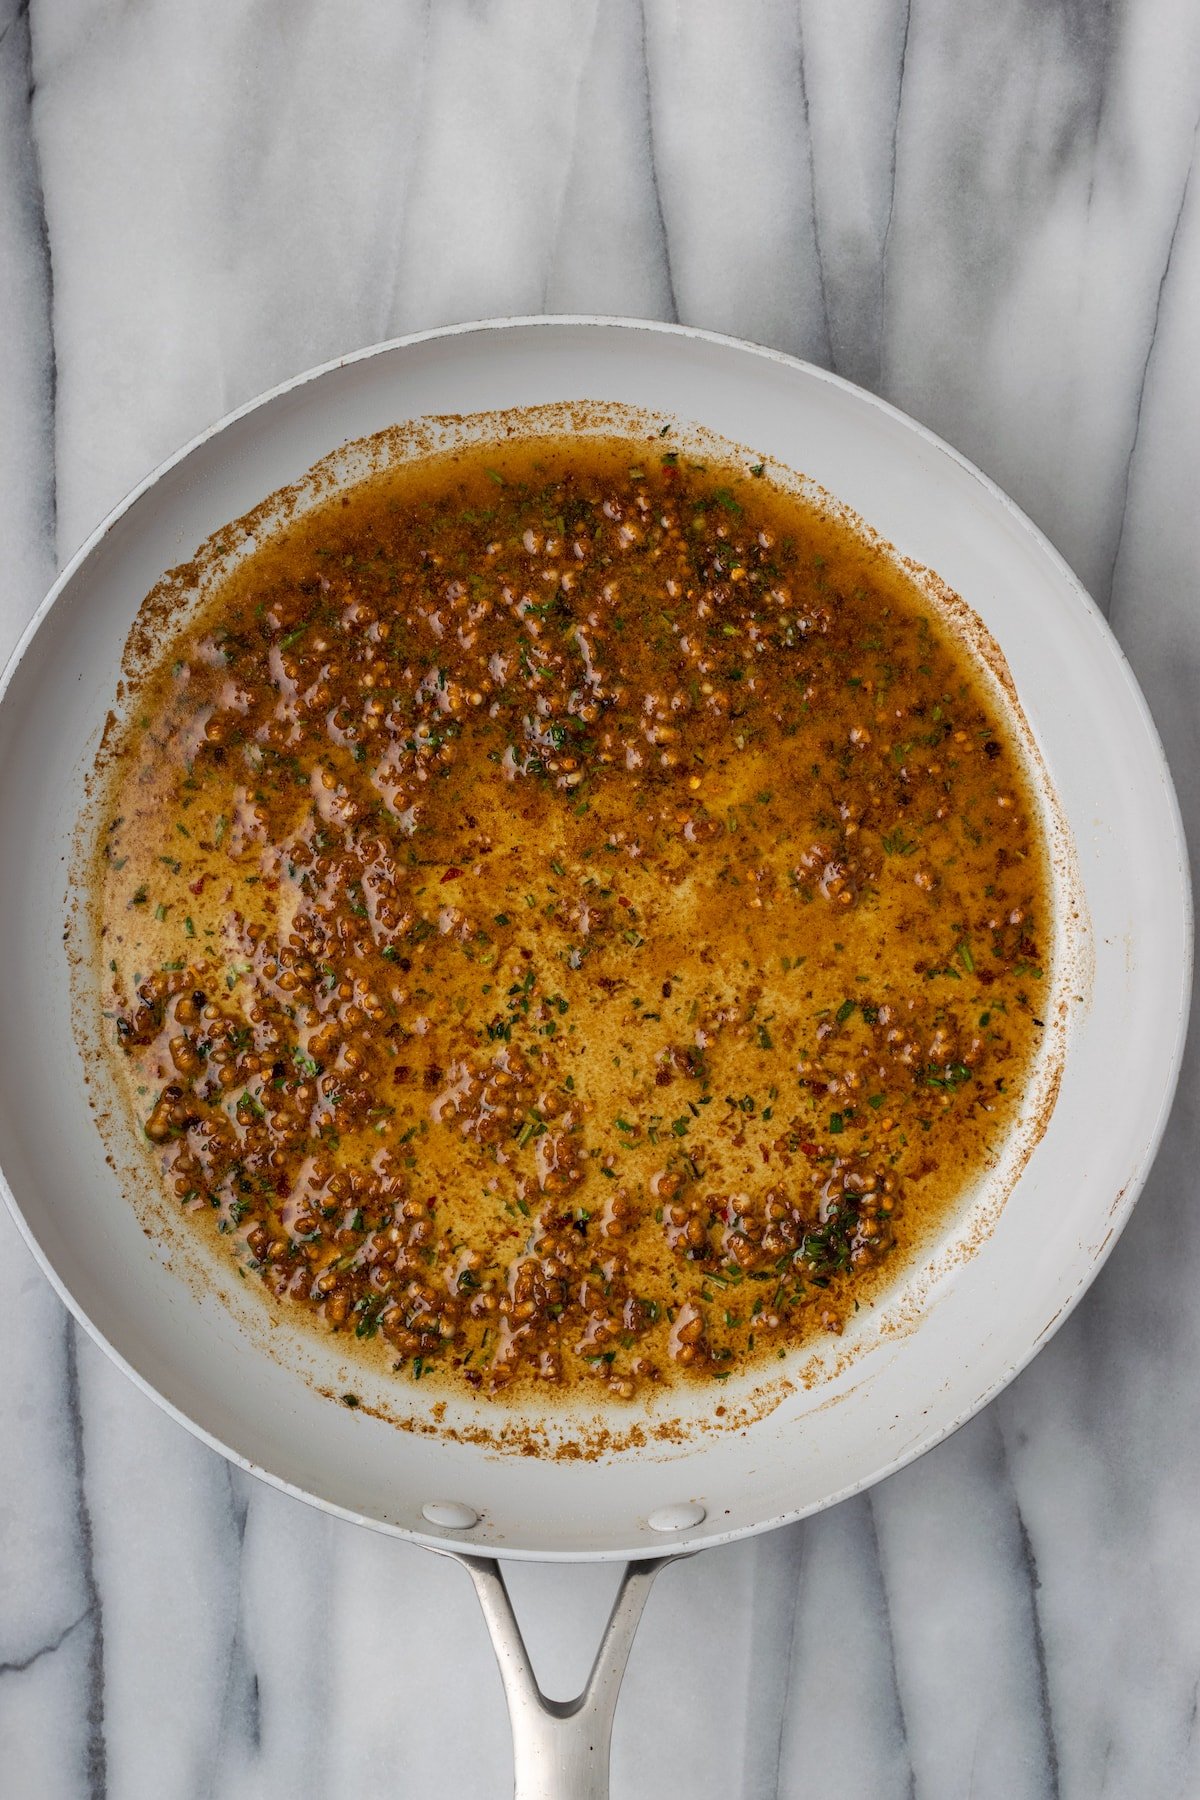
(571, 914)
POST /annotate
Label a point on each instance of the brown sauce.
(571, 913)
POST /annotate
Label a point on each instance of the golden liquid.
(571, 914)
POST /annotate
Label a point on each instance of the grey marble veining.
(990, 215)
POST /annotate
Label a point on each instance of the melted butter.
(572, 916)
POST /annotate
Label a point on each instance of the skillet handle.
(561, 1747)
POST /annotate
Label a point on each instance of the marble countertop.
(990, 216)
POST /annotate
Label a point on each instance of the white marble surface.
(990, 213)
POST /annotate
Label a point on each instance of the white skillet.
(957, 1333)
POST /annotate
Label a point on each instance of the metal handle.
(561, 1747)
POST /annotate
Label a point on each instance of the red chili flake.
(765, 1152)
(621, 900)
(811, 1149)
(197, 885)
(451, 874)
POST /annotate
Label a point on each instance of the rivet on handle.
(452, 1515)
(677, 1518)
